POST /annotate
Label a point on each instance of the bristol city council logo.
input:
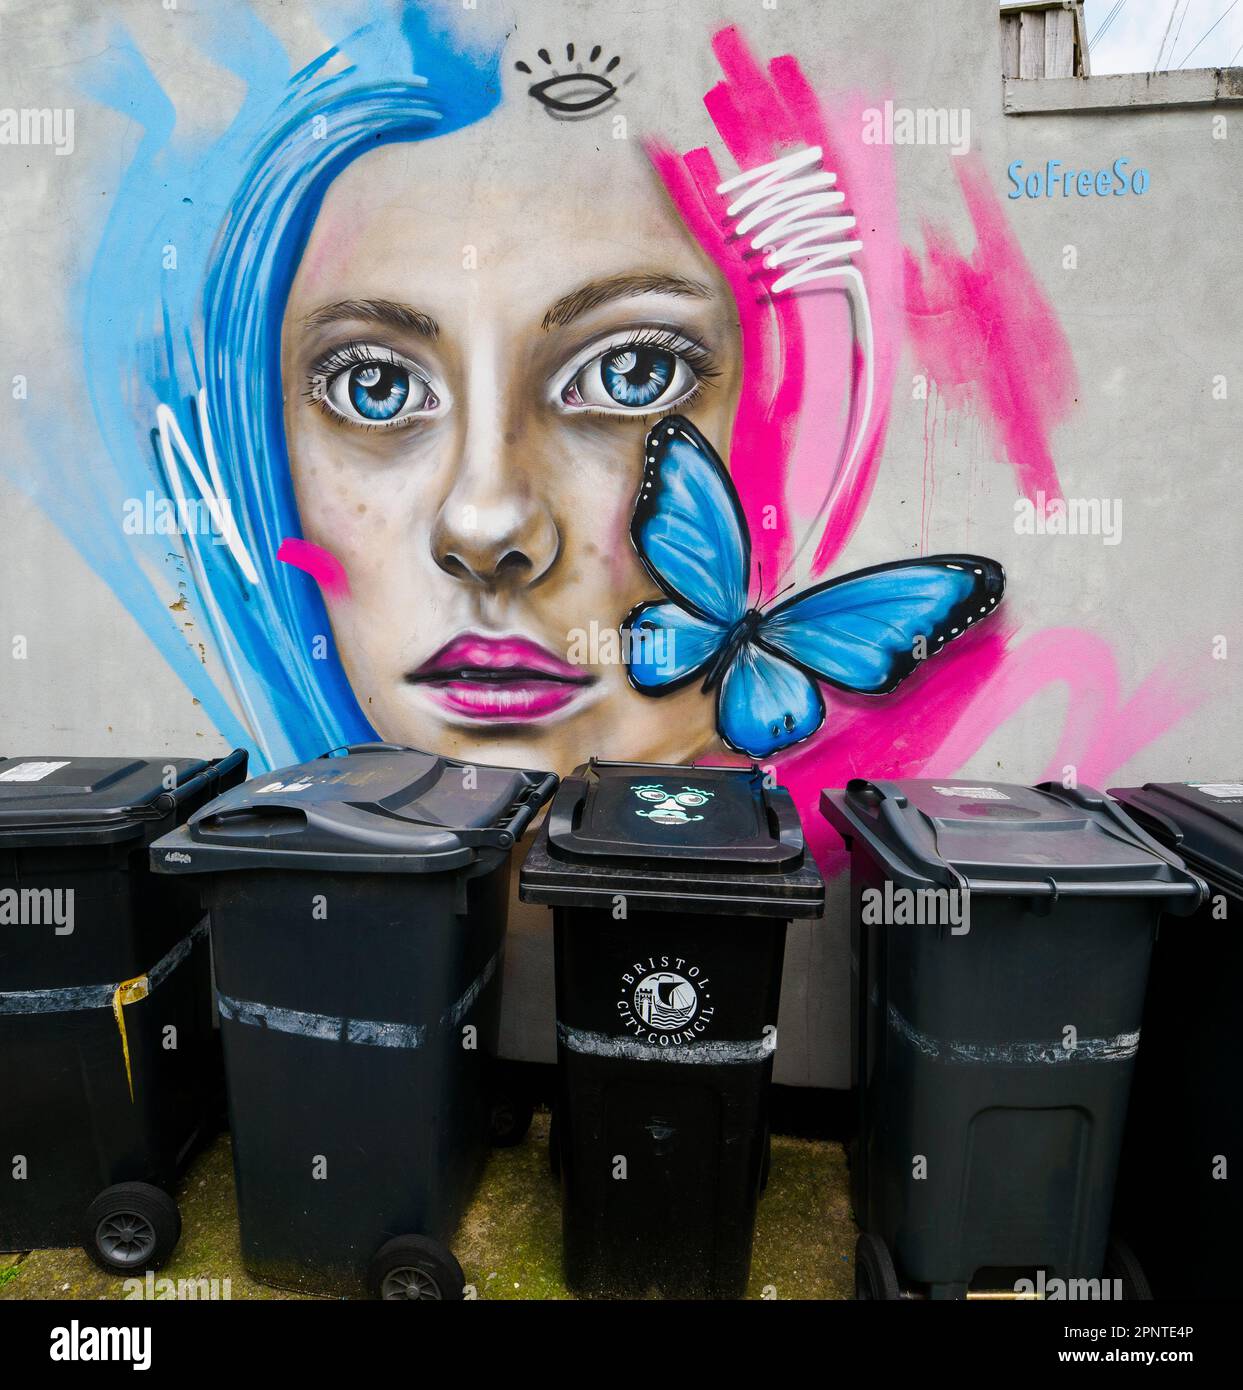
(665, 1000)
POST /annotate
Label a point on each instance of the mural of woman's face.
(472, 355)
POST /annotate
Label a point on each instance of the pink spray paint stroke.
(867, 176)
(790, 424)
(984, 330)
(928, 728)
(323, 566)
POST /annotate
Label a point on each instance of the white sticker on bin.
(31, 772)
(1218, 788)
(974, 793)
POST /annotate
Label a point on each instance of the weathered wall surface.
(387, 488)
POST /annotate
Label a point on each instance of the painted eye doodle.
(565, 95)
(650, 792)
(689, 797)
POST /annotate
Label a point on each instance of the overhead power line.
(1169, 24)
(1209, 30)
(1107, 21)
(1178, 33)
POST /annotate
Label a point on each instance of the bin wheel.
(875, 1276)
(511, 1118)
(1121, 1264)
(766, 1160)
(554, 1147)
(415, 1267)
(132, 1226)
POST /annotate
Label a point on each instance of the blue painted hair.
(251, 197)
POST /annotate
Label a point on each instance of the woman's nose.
(493, 530)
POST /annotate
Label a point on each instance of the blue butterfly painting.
(860, 632)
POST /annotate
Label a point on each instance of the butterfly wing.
(667, 646)
(688, 525)
(766, 703)
(859, 632)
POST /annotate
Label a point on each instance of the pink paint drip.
(323, 566)
(983, 327)
(798, 349)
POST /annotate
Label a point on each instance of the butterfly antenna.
(779, 592)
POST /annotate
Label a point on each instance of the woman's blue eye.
(637, 377)
(377, 391)
(373, 386)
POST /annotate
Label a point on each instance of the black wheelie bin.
(1001, 938)
(358, 908)
(109, 1070)
(1180, 1185)
(671, 888)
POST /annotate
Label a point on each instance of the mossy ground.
(510, 1241)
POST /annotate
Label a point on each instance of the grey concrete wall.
(1143, 288)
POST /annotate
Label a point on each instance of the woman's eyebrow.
(381, 311)
(590, 296)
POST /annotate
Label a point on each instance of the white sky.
(1131, 42)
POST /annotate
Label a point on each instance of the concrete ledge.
(1128, 91)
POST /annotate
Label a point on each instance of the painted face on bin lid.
(677, 807)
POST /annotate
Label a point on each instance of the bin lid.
(685, 833)
(46, 799)
(1201, 821)
(1000, 838)
(375, 808)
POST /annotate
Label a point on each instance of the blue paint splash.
(186, 294)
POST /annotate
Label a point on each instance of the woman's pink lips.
(500, 678)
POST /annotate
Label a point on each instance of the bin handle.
(789, 826)
(1089, 798)
(274, 818)
(169, 801)
(753, 766)
(1086, 798)
(890, 802)
(532, 798)
(859, 788)
(1139, 814)
(1046, 888)
(369, 748)
(508, 832)
(569, 797)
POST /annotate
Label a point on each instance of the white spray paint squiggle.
(792, 207)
